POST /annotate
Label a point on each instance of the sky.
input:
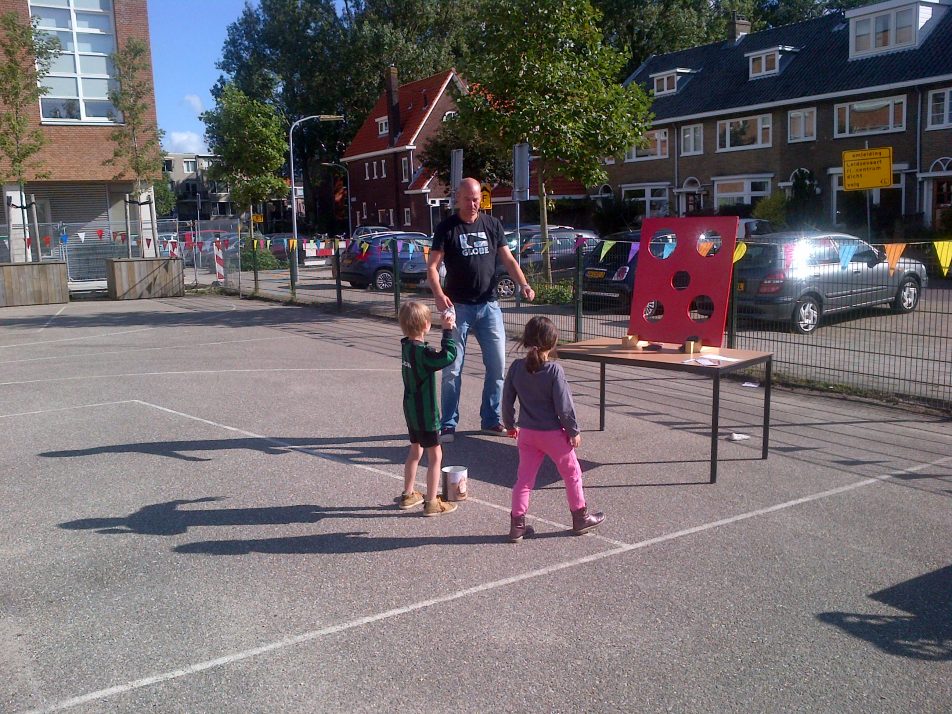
(187, 38)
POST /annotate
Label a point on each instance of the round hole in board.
(701, 308)
(654, 311)
(662, 244)
(709, 244)
(680, 280)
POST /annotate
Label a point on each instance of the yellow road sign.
(867, 168)
(485, 198)
(257, 218)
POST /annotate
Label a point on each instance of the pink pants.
(534, 446)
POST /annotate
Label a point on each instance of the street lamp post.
(292, 261)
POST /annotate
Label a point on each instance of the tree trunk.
(545, 253)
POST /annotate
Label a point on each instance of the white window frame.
(746, 194)
(365, 210)
(757, 64)
(764, 122)
(406, 216)
(366, 171)
(846, 106)
(405, 169)
(657, 145)
(946, 121)
(374, 165)
(189, 166)
(74, 33)
(168, 165)
(891, 17)
(383, 168)
(650, 194)
(666, 83)
(696, 147)
(807, 117)
(382, 216)
(383, 126)
(391, 217)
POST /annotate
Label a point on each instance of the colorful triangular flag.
(893, 253)
(846, 254)
(740, 250)
(943, 249)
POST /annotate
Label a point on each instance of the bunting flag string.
(667, 250)
(893, 254)
(788, 249)
(99, 233)
(704, 247)
(631, 251)
(46, 241)
(943, 249)
(410, 247)
(606, 246)
(29, 242)
(846, 254)
(82, 236)
(64, 238)
(740, 250)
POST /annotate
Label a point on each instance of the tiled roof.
(413, 114)
(820, 66)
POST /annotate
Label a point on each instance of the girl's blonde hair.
(414, 317)
(539, 336)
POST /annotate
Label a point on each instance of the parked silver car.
(798, 277)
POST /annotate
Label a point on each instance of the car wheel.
(907, 297)
(806, 315)
(506, 287)
(383, 280)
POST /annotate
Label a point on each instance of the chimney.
(737, 27)
(393, 103)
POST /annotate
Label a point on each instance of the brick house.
(738, 120)
(387, 182)
(76, 116)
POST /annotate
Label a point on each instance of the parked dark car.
(608, 275)
(796, 278)
(374, 265)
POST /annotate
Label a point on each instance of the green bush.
(561, 293)
(773, 209)
(266, 260)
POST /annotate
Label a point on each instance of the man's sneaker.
(447, 435)
(438, 507)
(498, 430)
(409, 500)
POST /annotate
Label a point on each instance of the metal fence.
(887, 342)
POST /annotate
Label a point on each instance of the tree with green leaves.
(165, 198)
(485, 156)
(249, 139)
(138, 140)
(26, 55)
(541, 73)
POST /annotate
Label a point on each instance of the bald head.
(467, 199)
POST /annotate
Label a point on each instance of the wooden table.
(610, 350)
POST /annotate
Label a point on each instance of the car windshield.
(759, 255)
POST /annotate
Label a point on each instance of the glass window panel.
(730, 187)
(722, 135)
(869, 116)
(796, 125)
(60, 108)
(64, 64)
(861, 41)
(756, 65)
(770, 62)
(882, 30)
(937, 108)
(765, 131)
(809, 124)
(102, 110)
(841, 120)
(51, 18)
(743, 133)
(98, 88)
(91, 21)
(96, 64)
(103, 44)
(61, 86)
(92, 4)
(904, 33)
(759, 186)
(898, 122)
(52, 3)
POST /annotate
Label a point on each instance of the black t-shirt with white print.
(469, 253)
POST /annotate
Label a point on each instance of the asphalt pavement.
(198, 516)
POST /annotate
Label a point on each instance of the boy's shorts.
(426, 439)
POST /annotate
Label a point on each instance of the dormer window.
(890, 26)
(667, 82)
(763, 64)
(383, 126)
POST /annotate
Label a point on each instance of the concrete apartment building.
(197, 196)
(738, 120)
(77, 117)
(388, 186)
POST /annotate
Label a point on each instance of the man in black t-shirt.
(467, 243)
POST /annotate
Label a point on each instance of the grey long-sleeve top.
(545, 400)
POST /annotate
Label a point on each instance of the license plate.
(594, 273)
(741, 286)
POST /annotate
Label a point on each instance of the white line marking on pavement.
(190, 345)
(74, 339)
(458, 594)
(53, 318)
(64, 409)
(199, 371)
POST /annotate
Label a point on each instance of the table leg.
(768, 369)
(601, 397)
(715, 414)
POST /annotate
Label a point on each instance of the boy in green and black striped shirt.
(420, 364)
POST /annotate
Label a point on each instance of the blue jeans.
(485, 322)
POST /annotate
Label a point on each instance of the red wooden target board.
(683, 278)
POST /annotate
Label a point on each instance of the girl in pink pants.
(547, 427)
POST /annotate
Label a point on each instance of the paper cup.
(455, 482)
